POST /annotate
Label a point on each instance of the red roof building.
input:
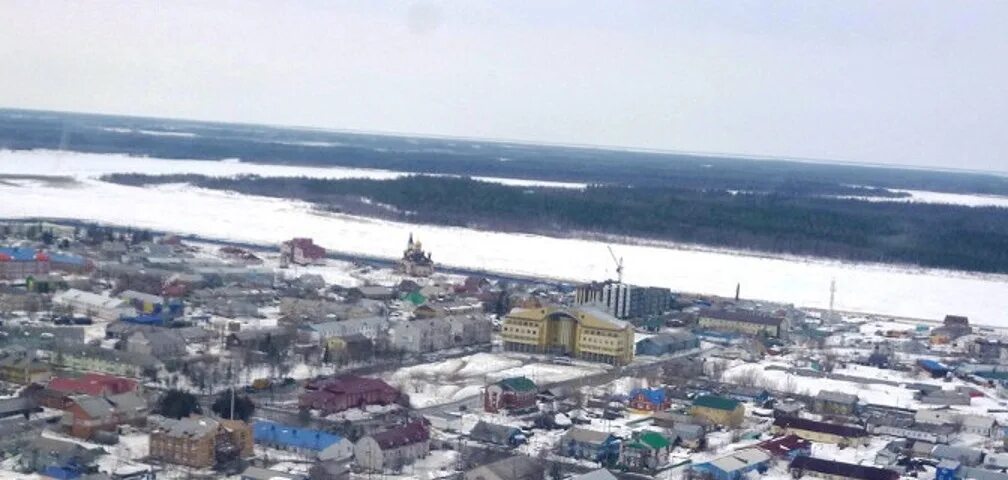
(59, 390)
(336, 394)
(301, 251)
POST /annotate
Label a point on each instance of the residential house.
(199, 442)
(420, 335)
(718, 410)
(833, 470)
(589, 444)
(158, 342)
(392, 449)
(350, 348)
(312, 443)
(937, 416)
(834, 403)
(373, 292)
(518, 467)
(301, 251)
(966, 456)
(371, 327)
(510, 394)
(979, 425)
(83, 358)
(256, 473)
(667, 343)
(495, 434)
(143, 302)
(649, 399)
(469, 330)
(85, 414)
(646, 451)
(823, 432)
(749, 322)
(339, 393)
(689, 435)
(21, 367)
(953, 327)
(735, 465)
(58, 458)
(670, 419)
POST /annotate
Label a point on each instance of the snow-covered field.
(93, 165)
(923, 196)
(460, 378)
(909, 292)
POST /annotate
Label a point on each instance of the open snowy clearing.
(889, 290)
(94, 165)
(456, 379)
(923, 196)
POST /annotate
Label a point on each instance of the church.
(415, 262)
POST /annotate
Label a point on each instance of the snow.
(890, 290)
(458, 379)
(93, 165)
(923, 196)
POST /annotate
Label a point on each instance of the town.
(127, 354)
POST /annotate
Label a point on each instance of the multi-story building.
(581, 332)
(624, 301)
(835, 403)
(749, 322)
(301, 251)
(20, 262)
(59, 390)
(22, 367)
(336, 394)
(85, 415)
(390, 450)
(199, 442)
(510, 394)
(85, 358)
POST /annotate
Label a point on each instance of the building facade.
(582, 332)
(624, 301)
(743, 321)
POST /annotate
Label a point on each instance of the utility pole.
(832, 294)
(232, 401)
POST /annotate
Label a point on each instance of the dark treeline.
(23, 130)
(929, 235)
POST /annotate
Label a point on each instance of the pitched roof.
(715, 402)
(838, 397)
(652, 395)
(293, 437)
(782, 446)
(402, 435)
(847, 431)
(740, 459)
(654, 440)
(585, 435)
(92, 384)
(846, 470)
(515, 468)
(517, 384)
(492, 432)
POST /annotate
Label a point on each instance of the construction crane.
(619, 264)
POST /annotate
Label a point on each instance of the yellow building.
(718, 410)
(582, 332)
(743, 321)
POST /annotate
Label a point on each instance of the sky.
(905, 82)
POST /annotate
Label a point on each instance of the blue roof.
(932, 366)
(654, 395)
(20, 254)
(66, 258)
(275, 433)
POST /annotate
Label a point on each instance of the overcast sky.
(903, 82)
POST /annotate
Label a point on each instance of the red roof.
(782, 446)
(408, 434)
(42, 257)
(93, 384)
(4, 257)
(350, 384)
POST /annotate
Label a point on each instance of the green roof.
(716, 402)
(416, 298)
(518, 384)
(654, 440)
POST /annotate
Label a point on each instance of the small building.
(667, 343)
(515, 394)
(518, 467)
(718, 410)
(689, 435)
(156, 342)
(301, 251)
(494, 434)
(979, 425)
(786, 447)
(649, 399)
(23, 368)
(743, 321)
(966, 456)
(58, 458)
(312, 443)
(86, 415)
(93, 305)
(589, 444)
(735, 465)
(832, 470)
(392, 449)
(645, 451)
(823, 432)
(835, 403)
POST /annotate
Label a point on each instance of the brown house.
(199, 442)
(336, 394)
(86, 414)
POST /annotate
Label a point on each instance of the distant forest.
(789, 219)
